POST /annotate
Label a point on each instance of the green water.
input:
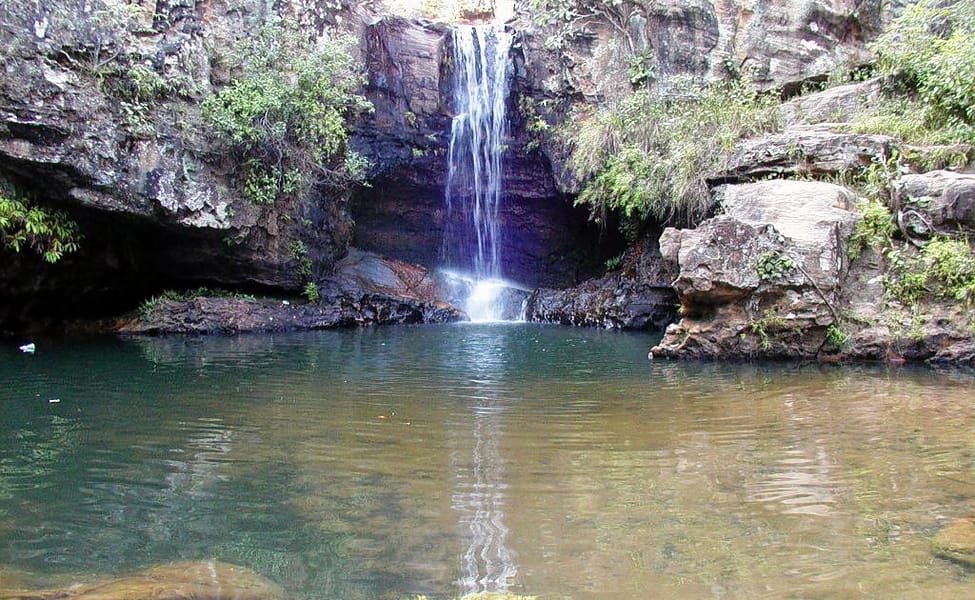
(446, 460)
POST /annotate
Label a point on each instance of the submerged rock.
(956, 542)
(209, 580)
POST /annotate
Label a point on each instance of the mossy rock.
(956, 542)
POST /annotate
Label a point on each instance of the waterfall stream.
(472, 233)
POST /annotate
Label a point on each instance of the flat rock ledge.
(203, 315)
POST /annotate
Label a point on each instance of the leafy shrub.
(774, 265)
(647, 158)
(23, 225)
(311, 292)
(874, 230)
(944, 267)
(286, 112)
(931, 48)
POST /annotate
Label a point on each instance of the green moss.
(875, 230)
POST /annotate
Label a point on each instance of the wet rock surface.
(365, 290)
(636, 296)
(209, 580)
(956, 542)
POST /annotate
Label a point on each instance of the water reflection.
(390, 463)
(478, 466)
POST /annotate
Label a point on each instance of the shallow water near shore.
(443, 460)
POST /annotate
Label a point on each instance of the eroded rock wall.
(158, 201)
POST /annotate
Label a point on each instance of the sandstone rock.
(956, 542)
(838, 104)
(156, 200)
(762, 278)
(365, 290)
(803, 150)
(939, 201)
(209, 580)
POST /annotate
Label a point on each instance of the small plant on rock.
(875, 230)
(774, 265)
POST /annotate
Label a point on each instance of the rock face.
(366, 289)
(189, 580)
(803, 150)
(158, 204)
(636, 296)
(762, 279)
(940, 201)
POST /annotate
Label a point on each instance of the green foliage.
(944, 267)
(874, 230)
(774, 265)
(616, 262)
(299, 253)
(641, 69)
(285, 113)
(836, 337)
(647, 158)
(770, 322)
(24, 225)
(931, 48)
(311, 292)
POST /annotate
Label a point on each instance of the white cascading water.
(477, 142)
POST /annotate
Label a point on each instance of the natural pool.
(385, 463)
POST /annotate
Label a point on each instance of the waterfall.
(474, 165)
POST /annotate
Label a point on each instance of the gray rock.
(838, 104)
(803, 150)
(637, 296)
(939, 201)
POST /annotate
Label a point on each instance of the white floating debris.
(28, 348)
(54, 401)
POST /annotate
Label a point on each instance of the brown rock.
(956, 542)
(764, 277)
(178, 581)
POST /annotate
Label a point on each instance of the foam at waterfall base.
(487, 300)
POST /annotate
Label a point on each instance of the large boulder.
(804, 150)
(939, 201)
(764, 277)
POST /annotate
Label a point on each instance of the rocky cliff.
(160, 203)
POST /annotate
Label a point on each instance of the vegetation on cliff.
(647, 158)
(929, 51)
(26, 226)
(284, 116)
